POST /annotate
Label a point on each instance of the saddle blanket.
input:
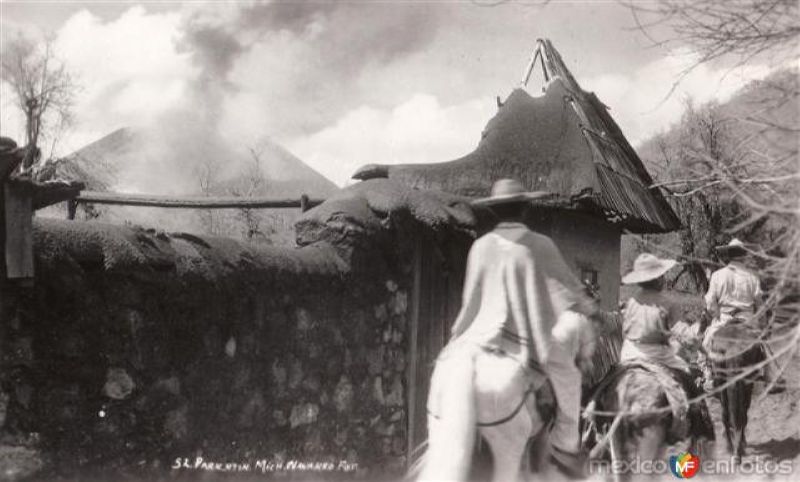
(678, 388)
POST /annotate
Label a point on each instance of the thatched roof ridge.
(507, 149)
(366, 208)
(564, 142)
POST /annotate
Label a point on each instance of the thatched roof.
(564, 142)
(365, 207)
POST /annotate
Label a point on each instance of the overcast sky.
(348, 83)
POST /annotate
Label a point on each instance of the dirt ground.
(773, 431)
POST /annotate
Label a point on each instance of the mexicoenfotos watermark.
(686, 465)
(262, 465)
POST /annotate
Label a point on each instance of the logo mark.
(684, 465)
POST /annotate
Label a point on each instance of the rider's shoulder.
(651, 298)
(722, 272)
(538, 239)
(519, 235)
(486, 242)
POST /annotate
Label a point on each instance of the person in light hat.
(517, 286)
(648, 319)
(734, 291)
(648, 316)
(734, 296)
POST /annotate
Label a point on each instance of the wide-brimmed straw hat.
(648, 267)
(736, 246)
(509, 191)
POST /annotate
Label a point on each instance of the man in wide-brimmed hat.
(734, 291)
(734, 294)
(647, 322)
(517, 285)
(648, 315)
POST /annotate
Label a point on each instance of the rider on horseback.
(734, 292)
(648, 318)
(517, 285)
(734, 295)
(649, 315)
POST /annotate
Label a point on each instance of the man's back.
(517, 284)
(733, 288)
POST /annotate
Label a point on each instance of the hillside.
(114, 162)
(753, 135)
(146, 161)
(751, 114)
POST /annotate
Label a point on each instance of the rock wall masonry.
(135, 349)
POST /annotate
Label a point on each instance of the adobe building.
(563, 141)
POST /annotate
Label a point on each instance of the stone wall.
(149, 355)
(200, 349)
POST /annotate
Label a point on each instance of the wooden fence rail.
(215, 202)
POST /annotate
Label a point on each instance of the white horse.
(488, 392)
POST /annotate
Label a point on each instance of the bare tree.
(685, 164)
(44, 91)
(757, 167)
(739, 29)
(207, 173)
(252, 184)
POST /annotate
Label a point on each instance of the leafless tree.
(207, 173)
(757, 168)
(686, 165)
(252, 184)
(716, 29)
(44, 91)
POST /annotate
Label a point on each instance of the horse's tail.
(452, 425)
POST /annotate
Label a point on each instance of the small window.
(589, 278)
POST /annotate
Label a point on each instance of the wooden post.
(303, 203)
(2, 234)
(72, 208)
(413, 356)
(19, 230)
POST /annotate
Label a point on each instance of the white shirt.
(517, 284)
(733, 288)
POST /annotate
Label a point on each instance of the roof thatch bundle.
(371, 206)
(564, 142)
